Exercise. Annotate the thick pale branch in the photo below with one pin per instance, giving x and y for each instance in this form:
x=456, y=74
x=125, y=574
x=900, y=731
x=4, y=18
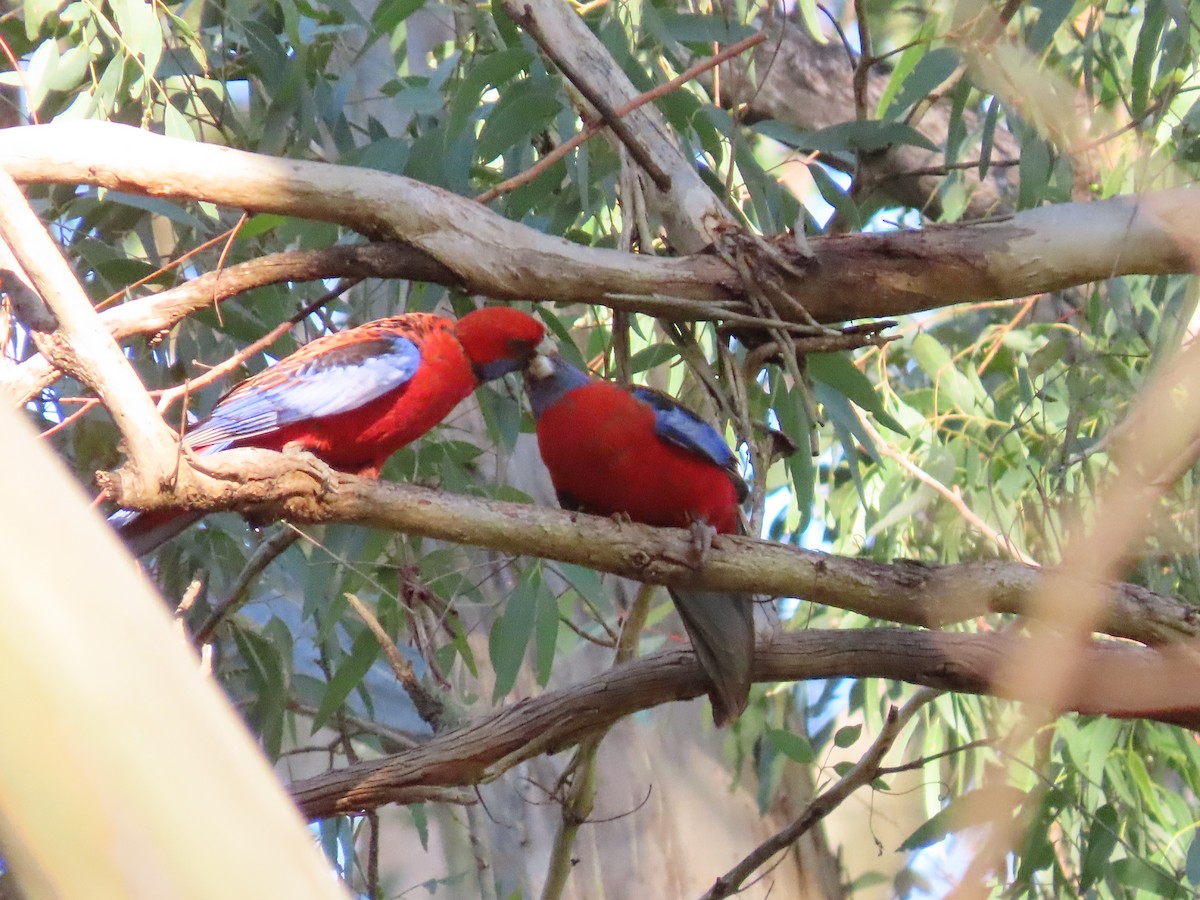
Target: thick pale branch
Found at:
x=80, y=344
x=1117, y=680
x=690, y=211
x=851, y=276
x=910, y=593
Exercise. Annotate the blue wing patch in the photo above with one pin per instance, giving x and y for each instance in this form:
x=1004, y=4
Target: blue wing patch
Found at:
x=680, y=426
x=309, y=386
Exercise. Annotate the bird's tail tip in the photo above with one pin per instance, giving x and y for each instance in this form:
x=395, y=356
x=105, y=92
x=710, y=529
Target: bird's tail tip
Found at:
x=721, y=627
x=144, y=532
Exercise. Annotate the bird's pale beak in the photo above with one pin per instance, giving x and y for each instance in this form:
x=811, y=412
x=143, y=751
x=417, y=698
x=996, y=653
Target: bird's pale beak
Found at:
x=541, y=366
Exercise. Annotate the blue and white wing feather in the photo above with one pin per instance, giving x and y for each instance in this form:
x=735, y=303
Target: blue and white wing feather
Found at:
x=309, y=385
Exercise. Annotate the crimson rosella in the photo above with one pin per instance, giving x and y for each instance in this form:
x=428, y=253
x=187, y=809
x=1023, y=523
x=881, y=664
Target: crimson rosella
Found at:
x=639, y=453
x=354, y=398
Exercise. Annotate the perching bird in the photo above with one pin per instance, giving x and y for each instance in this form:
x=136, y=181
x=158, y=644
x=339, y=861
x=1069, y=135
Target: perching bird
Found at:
x=355, y=397
x=639, y=453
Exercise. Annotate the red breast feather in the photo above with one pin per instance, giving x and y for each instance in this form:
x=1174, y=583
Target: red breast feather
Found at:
x=600, y=446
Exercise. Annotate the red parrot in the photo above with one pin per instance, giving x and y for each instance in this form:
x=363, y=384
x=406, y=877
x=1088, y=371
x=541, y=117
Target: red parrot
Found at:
x=639, y=453
x=355, y=397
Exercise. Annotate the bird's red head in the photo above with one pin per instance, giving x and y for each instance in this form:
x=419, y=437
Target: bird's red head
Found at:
x=498, y=339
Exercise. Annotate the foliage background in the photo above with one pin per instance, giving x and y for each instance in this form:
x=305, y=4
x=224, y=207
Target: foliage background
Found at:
x=977, y=433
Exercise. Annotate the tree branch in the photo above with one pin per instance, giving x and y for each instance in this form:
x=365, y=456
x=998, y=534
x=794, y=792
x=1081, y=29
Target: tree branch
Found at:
x=690, y=211
x=80, y=345
x=383, y=259
x=850, y=276
x=907, y=592
x=861, y=774
x=1117, y=680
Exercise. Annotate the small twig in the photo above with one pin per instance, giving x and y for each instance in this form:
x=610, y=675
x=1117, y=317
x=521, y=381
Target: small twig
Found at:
x=620, y=112
x=20, y=70
x=934, y=757
x=862, y=69
x=170, y=395
x=163, y=270
x=86, y=405
x=373, y=855
x=220, y=266
x=946, y=168
x=578, y=804
x=481, y=852
x=264, y=554
x=611, y=116
x=950, y=495
x=429, y=707
x=392, y=740
x=862, y=773
x=590, y=638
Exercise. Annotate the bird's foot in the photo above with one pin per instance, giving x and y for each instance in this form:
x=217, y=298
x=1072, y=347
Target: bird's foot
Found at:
x=312, y=465
x=704, y=538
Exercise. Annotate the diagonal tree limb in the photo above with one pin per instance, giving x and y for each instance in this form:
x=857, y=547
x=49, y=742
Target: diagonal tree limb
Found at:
x=691, y=212
x=1117, y=680
x=80, y=345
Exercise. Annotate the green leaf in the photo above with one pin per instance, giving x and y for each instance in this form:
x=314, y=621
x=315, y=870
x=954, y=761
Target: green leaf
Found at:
x=654, y=355
x=35, y=12
x=168, y=209
x=510, y=634
x=794, y=422
x=933, y=69
x=904, y=65
x=421, y=823
x=545, y=632
x=694, y=28
x=493, y=70
x=390, y=13
x=832, y=193
x=810, y=16
x=1193, y=859
x=793, y=746
x=1146, y=55
x=1101, y=841
x=987, y=140
x=936, y=362
x=348, y=676
x=847, y=735
x=838, y=372
x=1140, y=875
x=523, y=110
x=1034, y=170
x=846, y=137
x=1051, y=15
x=962, y=812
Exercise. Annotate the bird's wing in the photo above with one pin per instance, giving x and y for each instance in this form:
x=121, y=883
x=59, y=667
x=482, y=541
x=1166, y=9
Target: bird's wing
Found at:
x=678, y=425
x=321, y=379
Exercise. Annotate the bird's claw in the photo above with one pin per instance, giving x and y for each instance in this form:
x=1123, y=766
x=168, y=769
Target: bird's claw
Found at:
x=312, y=465
x=704, y=538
